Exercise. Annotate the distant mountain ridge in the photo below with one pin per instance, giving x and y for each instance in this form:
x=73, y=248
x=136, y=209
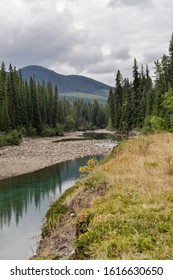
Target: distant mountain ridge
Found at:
x=71, y=86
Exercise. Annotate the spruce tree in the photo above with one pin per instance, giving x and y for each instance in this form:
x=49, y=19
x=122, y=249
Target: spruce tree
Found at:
x=136, y=94
x=118, y=100
x=111, y=107
x=171, y=62
x=4, y=114
x=35, y=110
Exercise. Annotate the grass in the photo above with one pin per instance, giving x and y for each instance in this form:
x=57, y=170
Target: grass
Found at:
x=56, y=212
x=130, y=215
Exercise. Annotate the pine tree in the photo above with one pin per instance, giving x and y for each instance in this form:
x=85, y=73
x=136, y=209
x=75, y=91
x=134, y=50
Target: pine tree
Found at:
x=14, y=104
x=4, y=115
x=136, y=94
x=118, y=100
x=55, y=111
x=111, y=107
x=126, y=118
x=171, y=62
x=35, y=110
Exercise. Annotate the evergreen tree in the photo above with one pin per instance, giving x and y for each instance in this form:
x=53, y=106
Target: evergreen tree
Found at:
x=118, y=100
x=4, y=115
x=170, y=78
x=14, y=104
x=35, y=110
x=126, y=118
x=111, y=107
x=136, y=94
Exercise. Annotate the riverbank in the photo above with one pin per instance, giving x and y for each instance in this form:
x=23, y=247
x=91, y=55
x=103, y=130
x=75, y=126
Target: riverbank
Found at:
x=123, y=210
x=36, y=153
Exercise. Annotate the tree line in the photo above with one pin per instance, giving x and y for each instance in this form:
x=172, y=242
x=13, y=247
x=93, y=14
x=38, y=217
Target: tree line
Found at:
x=143, y=103
x=36, y=109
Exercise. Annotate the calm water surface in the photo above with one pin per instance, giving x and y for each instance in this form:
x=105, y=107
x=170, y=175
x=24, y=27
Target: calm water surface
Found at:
x=24, y=201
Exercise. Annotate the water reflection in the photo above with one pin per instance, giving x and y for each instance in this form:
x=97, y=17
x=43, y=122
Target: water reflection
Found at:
x=24, y=201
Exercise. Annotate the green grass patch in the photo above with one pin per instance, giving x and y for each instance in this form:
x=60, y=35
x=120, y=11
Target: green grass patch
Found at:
x=56, y=212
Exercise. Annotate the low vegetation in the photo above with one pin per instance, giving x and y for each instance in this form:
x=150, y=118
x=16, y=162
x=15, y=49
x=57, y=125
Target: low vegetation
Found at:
x=14, y=137
x=126, y=203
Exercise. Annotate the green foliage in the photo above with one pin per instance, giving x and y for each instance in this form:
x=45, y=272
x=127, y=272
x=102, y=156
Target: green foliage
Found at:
x=147, y=125
x=158, y=124
x=143, y=104
x=31, y=131
x=14, y=137
x=120, y=228
x=59, y=129
x=56, y=212
x=38, y=109
x=48, y=131
x=69, y=123
x=3, y=141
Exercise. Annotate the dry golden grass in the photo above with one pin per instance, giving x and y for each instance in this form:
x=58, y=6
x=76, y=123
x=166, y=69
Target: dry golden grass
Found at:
x=134, y=219
x=124, y=209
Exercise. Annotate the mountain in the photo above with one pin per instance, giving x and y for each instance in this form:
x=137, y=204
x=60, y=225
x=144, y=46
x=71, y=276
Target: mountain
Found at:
x=70, y=86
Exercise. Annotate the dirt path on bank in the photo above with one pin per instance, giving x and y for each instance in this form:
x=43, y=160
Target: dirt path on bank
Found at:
x=34, y=154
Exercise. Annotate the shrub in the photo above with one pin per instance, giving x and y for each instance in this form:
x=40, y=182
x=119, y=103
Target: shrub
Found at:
x=158, y=124
x=31, y=131
x=69, y=123
x=59, y=129
x=90, y=165
x=14, y=137
x=3, y=141
x=48, y=131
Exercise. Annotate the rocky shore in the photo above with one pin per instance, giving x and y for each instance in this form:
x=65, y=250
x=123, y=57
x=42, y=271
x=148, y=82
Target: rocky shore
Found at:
x=35, y=154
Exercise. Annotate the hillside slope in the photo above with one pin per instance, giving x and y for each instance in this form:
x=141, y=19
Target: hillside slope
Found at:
x=123, y=210
x=71, y=86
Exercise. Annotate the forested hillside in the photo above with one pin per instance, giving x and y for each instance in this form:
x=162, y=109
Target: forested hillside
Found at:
x=143, y=103
x=70, y=86
x=35, y=108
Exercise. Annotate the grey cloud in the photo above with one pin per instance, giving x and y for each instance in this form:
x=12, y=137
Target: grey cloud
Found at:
x=122, y=53
x=83, y=56
x=114, y=3
x=41, y=40
x=101, y=68
x=151, y=56
x=83, y=36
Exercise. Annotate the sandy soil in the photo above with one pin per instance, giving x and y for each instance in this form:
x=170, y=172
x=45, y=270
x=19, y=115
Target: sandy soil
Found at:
x=34, y=154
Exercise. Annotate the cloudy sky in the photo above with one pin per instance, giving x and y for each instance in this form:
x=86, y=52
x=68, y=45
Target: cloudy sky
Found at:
x=94, y=38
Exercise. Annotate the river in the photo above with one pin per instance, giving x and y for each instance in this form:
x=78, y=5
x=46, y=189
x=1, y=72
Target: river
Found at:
x=24, y=201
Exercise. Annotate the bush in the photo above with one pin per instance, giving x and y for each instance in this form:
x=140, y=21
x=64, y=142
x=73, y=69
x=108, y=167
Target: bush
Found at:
x=23, y=130
x=48, y=131
x=3, y=141
x=69, y=123
x=59, y=129
x=31, y=131
x=158, y=124
x=14, y=137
